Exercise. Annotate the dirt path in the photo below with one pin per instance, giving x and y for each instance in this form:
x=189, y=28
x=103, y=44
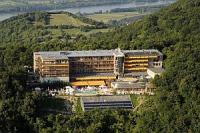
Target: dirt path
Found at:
x=141, y=102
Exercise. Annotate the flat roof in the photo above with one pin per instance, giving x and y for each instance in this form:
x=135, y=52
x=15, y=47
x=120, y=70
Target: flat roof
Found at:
x=142, y=52
x=128, y=85
x=106, y=99
x=116, y=52
x=134, y=74
x=157, y=70
x=48, y=55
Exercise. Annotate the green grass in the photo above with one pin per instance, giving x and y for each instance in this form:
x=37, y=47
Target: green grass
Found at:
x=135, y=99
x=64, y=19
x=78, y=106
x=106, y=17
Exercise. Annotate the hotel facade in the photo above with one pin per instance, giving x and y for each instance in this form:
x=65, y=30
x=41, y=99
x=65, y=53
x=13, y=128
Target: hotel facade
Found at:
x=95, y=67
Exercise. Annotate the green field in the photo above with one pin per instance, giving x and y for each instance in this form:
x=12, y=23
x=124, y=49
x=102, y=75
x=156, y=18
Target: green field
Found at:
x=64, y=19
x=106, y=17
x=134, y=99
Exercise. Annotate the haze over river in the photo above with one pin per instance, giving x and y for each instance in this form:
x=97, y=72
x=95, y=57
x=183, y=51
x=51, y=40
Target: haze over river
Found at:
x=92, y=9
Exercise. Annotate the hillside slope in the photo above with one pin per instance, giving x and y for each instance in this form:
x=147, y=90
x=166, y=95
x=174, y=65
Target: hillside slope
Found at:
x=45, y=31
x=175, y=30
x=173, y=24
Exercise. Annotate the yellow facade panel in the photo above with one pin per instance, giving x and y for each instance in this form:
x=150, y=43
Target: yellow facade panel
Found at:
x=132, y=65
x=137, y=57
x=55, y=65
x=96, y=78
x=142, y=68
x=140, y=57
x=131, y=61
x=87, y=83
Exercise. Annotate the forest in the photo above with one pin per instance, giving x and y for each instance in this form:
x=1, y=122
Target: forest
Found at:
x=175, y=107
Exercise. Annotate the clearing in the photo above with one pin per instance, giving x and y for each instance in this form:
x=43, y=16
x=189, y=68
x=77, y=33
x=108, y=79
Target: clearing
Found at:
x=64, y=19
x=106, y=17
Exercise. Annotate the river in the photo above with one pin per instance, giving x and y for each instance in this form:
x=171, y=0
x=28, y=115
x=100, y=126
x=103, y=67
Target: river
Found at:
x=92, y=9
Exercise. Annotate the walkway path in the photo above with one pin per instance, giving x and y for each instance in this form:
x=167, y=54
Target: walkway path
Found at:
x=141, y=102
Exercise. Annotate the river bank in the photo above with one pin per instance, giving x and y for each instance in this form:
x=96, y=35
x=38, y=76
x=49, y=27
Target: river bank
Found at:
x=24, y=7
x=91, y=9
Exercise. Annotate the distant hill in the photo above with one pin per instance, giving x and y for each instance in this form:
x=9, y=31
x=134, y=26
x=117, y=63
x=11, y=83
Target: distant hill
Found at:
x=49, y=21
x=39, y=29
x=35, y=5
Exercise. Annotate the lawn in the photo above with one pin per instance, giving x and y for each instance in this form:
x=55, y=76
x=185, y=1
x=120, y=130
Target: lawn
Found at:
x=78, y=106
x=106, y=17
x=135, y=99
x=64, y=19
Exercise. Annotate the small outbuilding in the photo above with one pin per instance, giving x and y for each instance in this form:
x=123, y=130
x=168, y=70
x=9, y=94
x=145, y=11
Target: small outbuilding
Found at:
x=122, y=87
x=152, y=72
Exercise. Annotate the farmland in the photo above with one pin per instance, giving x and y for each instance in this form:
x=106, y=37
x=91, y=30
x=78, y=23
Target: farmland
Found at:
x=78, y=25
x=64, y=19
x=106, y=17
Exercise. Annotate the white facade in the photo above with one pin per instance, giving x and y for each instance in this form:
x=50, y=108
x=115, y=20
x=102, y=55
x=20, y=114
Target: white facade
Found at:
x=152, y=72
x=157, y=64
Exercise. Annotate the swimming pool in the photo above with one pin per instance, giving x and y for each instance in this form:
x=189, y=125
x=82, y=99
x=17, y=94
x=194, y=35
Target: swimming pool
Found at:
x=86, y=92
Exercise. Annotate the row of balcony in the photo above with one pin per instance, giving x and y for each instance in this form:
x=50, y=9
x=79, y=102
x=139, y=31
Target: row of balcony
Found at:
x=133, y=65
x=139, y=57
x=139, y=68
x=134, y=61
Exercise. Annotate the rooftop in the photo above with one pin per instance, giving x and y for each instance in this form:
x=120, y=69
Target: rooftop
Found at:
x=135, y=74
x=142, y=52
x=106, y=99
x=128, y=85
x=156, y=70
x=51, y=55
x=117, y=52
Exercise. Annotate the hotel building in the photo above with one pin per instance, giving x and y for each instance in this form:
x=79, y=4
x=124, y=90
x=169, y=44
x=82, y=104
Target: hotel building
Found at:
x=97, y=67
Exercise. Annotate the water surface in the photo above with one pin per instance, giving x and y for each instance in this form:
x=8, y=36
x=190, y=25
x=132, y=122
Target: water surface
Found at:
x=93, y=9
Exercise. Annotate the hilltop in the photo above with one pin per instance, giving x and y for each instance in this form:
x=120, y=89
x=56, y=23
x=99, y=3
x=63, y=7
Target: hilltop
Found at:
x=174, y=108
x=46, y=31
x=51, y=24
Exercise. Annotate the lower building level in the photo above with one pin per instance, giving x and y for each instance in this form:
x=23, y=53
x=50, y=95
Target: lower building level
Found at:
x=106, y=102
